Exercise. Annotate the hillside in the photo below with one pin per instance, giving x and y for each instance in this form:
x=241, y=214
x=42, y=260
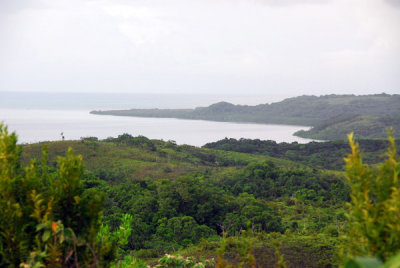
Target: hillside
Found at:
x=181, y=195
x=303, y=110
x=337, y=128
x=201, y=201
x=326, y=155
x=126, y=158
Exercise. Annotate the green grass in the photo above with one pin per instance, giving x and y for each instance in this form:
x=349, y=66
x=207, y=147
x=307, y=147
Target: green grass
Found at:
x=133, y=162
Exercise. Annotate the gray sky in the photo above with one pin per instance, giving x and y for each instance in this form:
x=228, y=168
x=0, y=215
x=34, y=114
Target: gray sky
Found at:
x=201, y=46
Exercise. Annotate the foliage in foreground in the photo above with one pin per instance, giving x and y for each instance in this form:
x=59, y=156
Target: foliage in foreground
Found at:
x=374, y=210
x=369, y=262
x=49, y=219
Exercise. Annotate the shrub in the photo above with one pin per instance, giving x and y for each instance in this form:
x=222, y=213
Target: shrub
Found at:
x=48, y=219
x=374, y=210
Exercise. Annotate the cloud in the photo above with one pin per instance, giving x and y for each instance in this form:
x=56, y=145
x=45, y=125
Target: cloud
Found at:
x=292, y=2
x=199, y=46
x=14, y=6
x=395, y=3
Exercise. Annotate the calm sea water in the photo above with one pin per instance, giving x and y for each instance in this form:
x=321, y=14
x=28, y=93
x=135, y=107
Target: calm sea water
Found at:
x=34, y=123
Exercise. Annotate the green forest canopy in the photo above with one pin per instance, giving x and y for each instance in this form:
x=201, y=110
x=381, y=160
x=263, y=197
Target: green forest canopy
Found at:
x=187, y=194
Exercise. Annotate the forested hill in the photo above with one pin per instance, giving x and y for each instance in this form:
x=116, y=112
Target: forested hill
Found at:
x=303, y=110
x=182, y=196
x=370, y=127
x=201, y=203
x=327, y=155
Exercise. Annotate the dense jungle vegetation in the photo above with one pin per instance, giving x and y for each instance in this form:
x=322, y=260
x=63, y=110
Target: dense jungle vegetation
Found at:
x=127, y=201
x=332, y=116
x=326, y=155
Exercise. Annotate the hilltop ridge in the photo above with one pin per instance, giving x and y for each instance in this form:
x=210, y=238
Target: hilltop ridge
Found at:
x=303, y=110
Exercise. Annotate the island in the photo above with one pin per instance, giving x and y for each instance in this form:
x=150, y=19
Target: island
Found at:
x=331, y=116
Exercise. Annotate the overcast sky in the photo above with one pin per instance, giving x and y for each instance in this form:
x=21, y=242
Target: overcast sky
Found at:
x=201, y=46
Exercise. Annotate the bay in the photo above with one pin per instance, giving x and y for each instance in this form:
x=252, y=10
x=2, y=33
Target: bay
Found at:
x=36, y=125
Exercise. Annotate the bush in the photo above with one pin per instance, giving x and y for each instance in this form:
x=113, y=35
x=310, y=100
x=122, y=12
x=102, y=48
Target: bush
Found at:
x=48, y=219
x=374, y=210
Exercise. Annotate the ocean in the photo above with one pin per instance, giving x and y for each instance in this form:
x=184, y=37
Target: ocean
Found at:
x=37, y=117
